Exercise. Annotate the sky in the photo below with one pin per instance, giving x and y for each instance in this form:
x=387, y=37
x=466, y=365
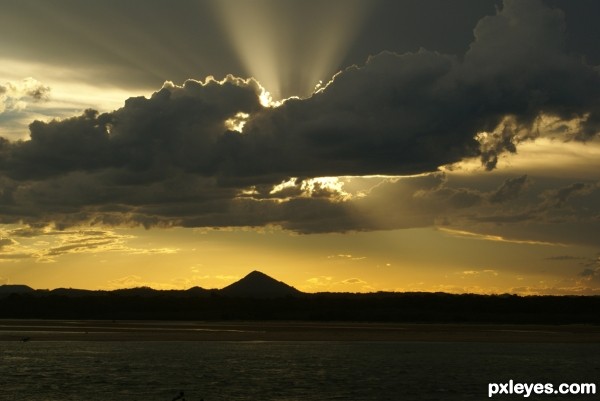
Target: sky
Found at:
x=339, y=145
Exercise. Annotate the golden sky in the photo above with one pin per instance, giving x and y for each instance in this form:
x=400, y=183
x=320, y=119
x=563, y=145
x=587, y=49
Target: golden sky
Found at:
x=336, y=147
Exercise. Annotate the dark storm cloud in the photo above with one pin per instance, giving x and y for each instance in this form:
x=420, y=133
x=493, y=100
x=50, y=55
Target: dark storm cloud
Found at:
x=558, y=198
x=519, y=59
x=409, y=113
x=395, y=115
x=511, y=188
x=169, y=160
x=394, y=203
x=178, y=127
x=574, y=202
x=567, y=213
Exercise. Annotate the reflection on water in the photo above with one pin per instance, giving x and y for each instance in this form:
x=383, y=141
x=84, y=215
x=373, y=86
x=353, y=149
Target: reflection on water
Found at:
x=284, y=371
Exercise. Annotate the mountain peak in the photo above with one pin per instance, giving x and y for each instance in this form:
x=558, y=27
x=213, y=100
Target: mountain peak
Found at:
x=257, y=274
x=257, y=284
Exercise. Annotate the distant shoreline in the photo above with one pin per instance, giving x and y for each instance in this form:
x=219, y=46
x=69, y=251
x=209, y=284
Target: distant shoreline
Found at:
x=106, y=330
x=248, y=303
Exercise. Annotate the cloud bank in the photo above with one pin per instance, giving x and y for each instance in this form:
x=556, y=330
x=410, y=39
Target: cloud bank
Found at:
x=171, y=159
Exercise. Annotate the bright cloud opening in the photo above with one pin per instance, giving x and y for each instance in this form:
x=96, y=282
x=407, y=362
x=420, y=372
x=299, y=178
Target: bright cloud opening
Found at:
x=237, y=122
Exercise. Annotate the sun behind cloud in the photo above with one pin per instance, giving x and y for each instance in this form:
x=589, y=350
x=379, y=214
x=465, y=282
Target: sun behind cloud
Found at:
x=273, y=43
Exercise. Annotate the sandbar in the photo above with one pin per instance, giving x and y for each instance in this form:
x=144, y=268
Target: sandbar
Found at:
x=108, y=330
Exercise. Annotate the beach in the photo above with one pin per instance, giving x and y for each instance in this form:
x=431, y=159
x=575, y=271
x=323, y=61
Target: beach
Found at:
x=107, y=330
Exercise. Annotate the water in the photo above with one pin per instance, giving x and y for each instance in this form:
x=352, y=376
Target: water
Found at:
x=285, y=371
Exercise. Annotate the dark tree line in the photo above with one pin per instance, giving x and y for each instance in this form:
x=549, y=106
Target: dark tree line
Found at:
x=381, y=307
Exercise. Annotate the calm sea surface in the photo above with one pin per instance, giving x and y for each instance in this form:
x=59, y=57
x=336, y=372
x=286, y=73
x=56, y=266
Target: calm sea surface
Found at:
x=285, y=371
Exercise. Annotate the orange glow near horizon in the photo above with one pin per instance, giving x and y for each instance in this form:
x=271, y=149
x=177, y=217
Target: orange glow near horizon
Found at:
x=398, y=260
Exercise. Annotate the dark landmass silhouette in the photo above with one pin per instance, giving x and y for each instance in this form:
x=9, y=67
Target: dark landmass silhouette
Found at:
x=259, y=285
x=260, y=297
x=8, y=289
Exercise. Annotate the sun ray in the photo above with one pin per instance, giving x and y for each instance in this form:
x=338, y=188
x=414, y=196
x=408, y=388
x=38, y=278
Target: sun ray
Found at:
x=274, y=43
